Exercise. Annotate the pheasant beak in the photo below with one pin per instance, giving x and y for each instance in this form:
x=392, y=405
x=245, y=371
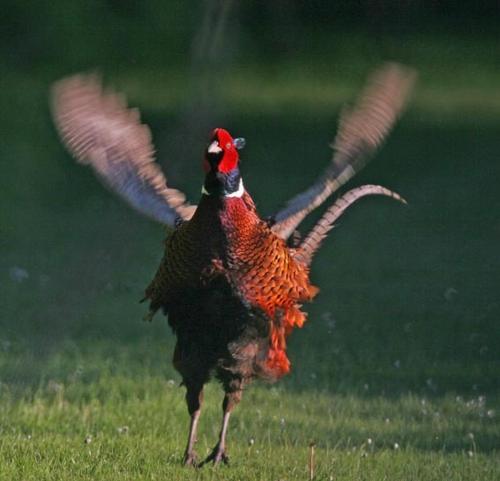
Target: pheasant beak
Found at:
x=214, y=148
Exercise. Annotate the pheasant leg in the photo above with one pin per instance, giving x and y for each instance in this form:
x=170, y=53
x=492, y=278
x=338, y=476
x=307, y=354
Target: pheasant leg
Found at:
x=218, y=454
x=194, y=399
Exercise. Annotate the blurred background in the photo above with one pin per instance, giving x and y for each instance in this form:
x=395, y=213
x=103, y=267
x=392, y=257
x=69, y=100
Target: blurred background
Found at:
x=409, y=296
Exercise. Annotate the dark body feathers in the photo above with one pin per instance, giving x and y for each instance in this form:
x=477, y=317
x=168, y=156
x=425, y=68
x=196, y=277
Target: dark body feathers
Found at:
x=227, y=283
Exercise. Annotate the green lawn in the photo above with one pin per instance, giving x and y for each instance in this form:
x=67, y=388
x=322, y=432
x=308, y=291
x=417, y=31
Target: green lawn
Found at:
x=106, y=412
x=401, y=347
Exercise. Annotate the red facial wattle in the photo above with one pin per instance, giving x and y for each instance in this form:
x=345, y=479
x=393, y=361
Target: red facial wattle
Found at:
x=230, y=155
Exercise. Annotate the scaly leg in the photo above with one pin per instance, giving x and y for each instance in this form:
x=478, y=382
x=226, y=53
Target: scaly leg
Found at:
x=194, y=399
x=231, y=398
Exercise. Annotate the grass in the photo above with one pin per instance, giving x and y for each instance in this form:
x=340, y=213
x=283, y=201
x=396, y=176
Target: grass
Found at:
x=107, y=412
x=401, y=345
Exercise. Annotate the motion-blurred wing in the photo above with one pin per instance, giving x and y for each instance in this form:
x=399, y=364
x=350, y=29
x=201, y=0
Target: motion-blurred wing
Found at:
x=362, y=129
x=99, y=130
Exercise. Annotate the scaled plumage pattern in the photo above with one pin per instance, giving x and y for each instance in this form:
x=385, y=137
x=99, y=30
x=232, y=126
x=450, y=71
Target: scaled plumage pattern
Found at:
x=229, y=281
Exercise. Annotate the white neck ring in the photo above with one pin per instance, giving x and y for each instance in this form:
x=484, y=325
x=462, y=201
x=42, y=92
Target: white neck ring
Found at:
x=237, y=193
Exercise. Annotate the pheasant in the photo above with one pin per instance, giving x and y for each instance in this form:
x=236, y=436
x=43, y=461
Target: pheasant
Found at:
x=232, y=283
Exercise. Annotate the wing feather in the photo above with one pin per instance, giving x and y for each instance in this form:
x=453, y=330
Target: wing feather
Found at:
x=99, y=130
x=362, y=129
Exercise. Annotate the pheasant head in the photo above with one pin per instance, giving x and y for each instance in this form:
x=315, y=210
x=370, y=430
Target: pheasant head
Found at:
x=220, y=164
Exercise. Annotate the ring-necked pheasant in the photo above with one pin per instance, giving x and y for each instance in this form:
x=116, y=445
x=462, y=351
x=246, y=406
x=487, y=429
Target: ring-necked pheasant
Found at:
x=230, y=283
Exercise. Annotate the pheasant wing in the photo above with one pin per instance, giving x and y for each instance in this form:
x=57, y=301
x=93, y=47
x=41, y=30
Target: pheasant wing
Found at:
x=362, y=129
x=99, y=130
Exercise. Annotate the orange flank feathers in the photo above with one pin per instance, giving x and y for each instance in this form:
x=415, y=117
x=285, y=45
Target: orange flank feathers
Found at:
x=266, y=275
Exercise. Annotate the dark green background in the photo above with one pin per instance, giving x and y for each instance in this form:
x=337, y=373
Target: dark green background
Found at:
x=409, y=296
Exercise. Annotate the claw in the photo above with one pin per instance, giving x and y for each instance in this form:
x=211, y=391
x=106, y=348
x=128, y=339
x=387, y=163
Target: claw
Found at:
x=217, y=456
x=221, y=456
x=190, y=459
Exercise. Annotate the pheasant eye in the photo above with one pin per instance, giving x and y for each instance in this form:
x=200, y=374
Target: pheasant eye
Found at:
x=228, y=145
